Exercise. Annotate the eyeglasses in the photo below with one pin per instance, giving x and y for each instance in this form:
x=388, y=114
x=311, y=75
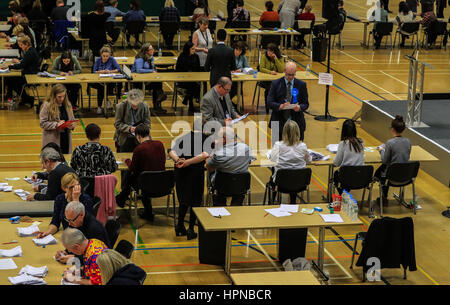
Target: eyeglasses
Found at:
x=71, y=220
x=226, y=90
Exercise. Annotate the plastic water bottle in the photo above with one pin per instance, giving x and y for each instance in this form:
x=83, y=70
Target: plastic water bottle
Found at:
x=255, y=74
x=159, y=52
x=308, y=69
x=355, y=211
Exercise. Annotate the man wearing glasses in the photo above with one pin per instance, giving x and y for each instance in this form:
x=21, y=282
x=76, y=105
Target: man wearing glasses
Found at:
x=285, y=105
x=216, y=103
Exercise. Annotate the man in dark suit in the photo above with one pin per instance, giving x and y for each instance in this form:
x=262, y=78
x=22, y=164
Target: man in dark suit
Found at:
x=216, y=103
x=280, y=97
x=220, y=60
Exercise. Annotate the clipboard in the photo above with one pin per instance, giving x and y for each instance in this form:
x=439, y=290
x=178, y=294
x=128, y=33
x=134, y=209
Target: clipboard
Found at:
x=66, y=124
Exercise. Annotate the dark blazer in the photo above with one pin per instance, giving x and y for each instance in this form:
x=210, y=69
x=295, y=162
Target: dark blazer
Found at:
x=212, y=110
x=54, y=182
x=128, y=275
x=220, y=61
x=29, y=63
x=276, y=97
x=59, y=209
x=92, y=228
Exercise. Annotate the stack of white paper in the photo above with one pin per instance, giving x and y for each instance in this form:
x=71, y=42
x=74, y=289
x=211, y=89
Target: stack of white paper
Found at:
x=291, y=208
x=17, y=251
x=218, y=212
x=4, y=70
x=239, y=119
x=47, y=240
x=332, y=148
x=332, y=218
x=106, y=74
x=22, y=194
x=25, y=279
x=3, y=185
x=316, y=156
x=28, y=231
x=64, y=282
x=7, y=264
x=7, y=188
x=277, y=212
x=30, y=181
x=34, y=271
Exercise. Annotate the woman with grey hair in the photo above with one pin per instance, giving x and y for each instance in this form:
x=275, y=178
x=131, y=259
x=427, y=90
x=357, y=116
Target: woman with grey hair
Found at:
x=130, y=113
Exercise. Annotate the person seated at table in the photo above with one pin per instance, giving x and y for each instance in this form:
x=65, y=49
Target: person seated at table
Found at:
x=188, y=61
x=396, y=150
x=289, y=153
x=201, y=11
x=96, y=21
x=105, y=64
x=75, y=242
x=25, y=23
x=50, y=160
x=240, y=13
x=114, y=12
x=79, y=218
x=169, y=13
x=66, y=65
x=134, y=14
x=350, y=152
x=404, y=15
x=305, y=15
x=29, y=64
x=70, y=184
x=269, y=14
x=189, y=175
x=13, y=22
x=54, y=113
x=149, y=155
x=378, y=15
x=240, y=48
x=428, y=19
x=12, y=41
x=231, y=157
x=129, y=114
x=144, y=62
x=93, y=159
x=115, y=269
x=271, y=63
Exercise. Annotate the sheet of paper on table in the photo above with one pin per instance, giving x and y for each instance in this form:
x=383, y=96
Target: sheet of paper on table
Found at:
x=14, y=252
x=27, y=231
x=7, y=264
x=218, y=212
x=277, y=212
x=331, y=217
x=47, y=240
x=25, y=279
x=332, y=148
x=34, y=271
x=292, y=208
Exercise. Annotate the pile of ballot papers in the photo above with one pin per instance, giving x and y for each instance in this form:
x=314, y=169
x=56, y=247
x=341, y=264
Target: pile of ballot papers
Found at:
x=5, y=187
x=22, y=194
x=316, y=156
x=30, y=181
x=17, y=251
x=47, y=240
x=25, y=279
x=332, y=148
x=28, y=231
x=34, y=271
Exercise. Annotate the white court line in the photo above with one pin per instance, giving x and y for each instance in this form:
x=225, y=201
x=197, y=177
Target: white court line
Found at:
x=164, y=125
x=351, y=56
x=262, y=250
x=212, y=270
x=400, y=81
x=397, y=97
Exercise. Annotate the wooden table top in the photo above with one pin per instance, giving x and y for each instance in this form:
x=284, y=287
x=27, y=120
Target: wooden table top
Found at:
x=246, y=31
x=32, y=255
x=253, y=217
x=304, y=277
x=162, y=60
x=155, y=19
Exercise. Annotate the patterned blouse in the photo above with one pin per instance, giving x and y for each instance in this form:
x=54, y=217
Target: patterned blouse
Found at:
x=93, y=159
x=91, y=269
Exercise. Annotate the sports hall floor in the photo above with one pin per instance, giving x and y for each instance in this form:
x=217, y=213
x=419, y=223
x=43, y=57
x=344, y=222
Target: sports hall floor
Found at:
x=359, y=74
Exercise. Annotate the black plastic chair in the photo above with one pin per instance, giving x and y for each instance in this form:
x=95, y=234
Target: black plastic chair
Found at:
x=229, y=185
x=266, y=39
x=239, y=25
x=304, y=27
x=288, y=181
x=382, y=29
x=125, y=248
x=97, y=201
x=154, y=184
x=436, y=28
x=112, y=228
x=401, y=175
x=88, y=185
x=408, y=29
x=169, y=27
x=135, y=28
x=356, y=178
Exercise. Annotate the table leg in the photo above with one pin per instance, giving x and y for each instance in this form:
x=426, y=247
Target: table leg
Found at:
x=330, y=181
x=3, y=92
x=320, y=255
x=105, y=107
x=201, y=90
x=228, y=253
x=364, y=44
x=240, y=98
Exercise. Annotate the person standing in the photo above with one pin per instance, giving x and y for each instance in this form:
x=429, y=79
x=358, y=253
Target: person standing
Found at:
x=55, y=112
x=280, y=97
x=288, y=10
x=202, y=40
x=97, y=28
x=220, y=60
x=60, y=11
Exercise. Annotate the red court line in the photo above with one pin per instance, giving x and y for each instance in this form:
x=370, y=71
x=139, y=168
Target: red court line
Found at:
x=351, y=100
x=318, y=185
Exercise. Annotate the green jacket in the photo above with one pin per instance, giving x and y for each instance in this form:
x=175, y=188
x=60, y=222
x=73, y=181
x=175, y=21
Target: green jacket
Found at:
x=57, y=63
x=266, y=66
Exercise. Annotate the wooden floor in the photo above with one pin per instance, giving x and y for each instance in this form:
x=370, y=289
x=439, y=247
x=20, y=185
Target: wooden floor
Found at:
x=359, y=74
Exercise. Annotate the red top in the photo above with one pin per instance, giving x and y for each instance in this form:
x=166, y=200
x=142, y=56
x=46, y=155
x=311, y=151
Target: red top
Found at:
x=307, y=16
x=147, y=156
x=269, y=16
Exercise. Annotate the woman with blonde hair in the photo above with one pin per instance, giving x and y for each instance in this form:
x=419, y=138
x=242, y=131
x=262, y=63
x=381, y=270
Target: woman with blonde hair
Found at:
x=115, y=269
x=54, y=113
x=290, y=153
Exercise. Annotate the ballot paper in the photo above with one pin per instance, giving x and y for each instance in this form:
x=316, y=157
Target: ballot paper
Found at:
x=4, y=70
x=292, y=208
x=7, y=264
x=120, y=58
x=12, y=179
x=14, y=252
x=25, y=279
x=237, y=73
x=28, y=231
x=60, y=78
x=218, y=212
x=106, y=75
x=64, y=282
x=331, y=217
x=289, y=107
x=316, y=156
x=332, y=148
x=3, y=186
x=278, y=212
x=248, y=70
x=8, y=188
x=34, y=271
x=47, y=240
x=30, y=181
x=22, y=194
x=239, y=119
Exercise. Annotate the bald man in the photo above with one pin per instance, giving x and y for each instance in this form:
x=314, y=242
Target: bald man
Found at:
x=280, y=97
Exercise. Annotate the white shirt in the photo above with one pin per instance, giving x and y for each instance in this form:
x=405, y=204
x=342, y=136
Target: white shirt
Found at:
x=289, y=157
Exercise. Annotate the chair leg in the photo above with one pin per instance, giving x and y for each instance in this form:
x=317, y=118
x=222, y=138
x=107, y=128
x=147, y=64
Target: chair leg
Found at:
x=254, y=95
x=363, y=195
x=265, y=193
x=414, y=198
x=307, y=195
x=168, y=203
x=354, y=250
x=381, y=200
x=174, y=210
x=249, y=195
x=404, y=273
x=395, y=38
